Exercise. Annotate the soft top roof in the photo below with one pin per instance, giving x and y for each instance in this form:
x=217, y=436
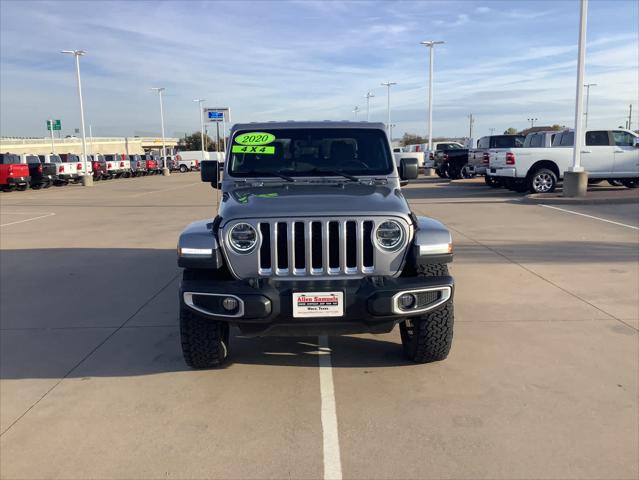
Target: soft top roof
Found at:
x=257, y=126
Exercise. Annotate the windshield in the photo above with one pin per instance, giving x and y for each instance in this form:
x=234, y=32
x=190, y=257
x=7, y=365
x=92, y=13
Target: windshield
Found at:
x=310, y=152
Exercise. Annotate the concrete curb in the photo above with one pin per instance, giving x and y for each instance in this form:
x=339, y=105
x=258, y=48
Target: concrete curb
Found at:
x=557, y=199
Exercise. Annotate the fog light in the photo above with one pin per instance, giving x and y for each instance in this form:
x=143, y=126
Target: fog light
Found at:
x=230, y=304
x=407, y=301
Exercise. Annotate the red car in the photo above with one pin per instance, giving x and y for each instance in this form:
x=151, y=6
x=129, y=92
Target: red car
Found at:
x=13, y=174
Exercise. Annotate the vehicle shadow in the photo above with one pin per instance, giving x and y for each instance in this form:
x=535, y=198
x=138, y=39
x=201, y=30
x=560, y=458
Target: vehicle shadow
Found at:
x=88, y=312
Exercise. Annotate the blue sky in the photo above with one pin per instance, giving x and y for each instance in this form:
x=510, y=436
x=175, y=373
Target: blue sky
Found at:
x=503, y=61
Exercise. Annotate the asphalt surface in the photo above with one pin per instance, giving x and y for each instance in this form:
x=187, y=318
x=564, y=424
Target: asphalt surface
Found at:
x=542, y=380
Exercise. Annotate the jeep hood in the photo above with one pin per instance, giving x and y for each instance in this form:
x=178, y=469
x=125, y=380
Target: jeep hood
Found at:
x=338, y=199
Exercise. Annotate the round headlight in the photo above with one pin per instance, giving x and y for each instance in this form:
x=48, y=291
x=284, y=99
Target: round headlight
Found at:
x=389, y=235
x=242, y=237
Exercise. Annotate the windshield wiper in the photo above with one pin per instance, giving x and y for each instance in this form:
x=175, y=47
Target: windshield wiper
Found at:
x=269, y=174
x=337, y=173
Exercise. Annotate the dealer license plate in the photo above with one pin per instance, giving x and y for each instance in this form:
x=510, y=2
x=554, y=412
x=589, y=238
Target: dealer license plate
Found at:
x=318, y=304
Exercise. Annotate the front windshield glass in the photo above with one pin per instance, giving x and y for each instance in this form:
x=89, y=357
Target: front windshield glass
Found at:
x=310, y=152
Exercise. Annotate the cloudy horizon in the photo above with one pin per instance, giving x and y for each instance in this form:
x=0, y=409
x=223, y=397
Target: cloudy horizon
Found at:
x=504, y=62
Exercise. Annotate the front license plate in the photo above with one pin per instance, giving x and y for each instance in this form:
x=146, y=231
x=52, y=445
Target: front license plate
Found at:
x=318, y=304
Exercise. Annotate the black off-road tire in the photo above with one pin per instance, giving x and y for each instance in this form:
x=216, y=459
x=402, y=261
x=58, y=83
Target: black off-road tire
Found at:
x=428, y=338
x=205, y=343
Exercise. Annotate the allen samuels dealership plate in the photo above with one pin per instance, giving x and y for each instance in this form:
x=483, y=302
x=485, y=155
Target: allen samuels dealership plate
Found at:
x=318, y=304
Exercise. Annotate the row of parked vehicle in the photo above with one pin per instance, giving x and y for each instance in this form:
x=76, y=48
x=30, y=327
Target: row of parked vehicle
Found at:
x=22, y=171
x=536, y=162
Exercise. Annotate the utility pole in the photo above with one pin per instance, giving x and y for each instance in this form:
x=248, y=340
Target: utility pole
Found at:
x=587, y=85
x=165, y=169
x=199, y=102
x=630, y=117
x=430, y=44
x=52, y=143
x=368, y=97
x=576, y=179
x=471, y=121
x=388, y=86
x=217, y=136
x=87, y=180
x=532, y=121
x=356, y=111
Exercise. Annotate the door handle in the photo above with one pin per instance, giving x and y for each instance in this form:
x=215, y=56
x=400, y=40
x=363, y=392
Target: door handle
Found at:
x=586, y=151
x=619, y=150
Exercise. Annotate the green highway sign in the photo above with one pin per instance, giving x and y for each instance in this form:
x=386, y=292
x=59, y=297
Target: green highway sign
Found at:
x=57, y=125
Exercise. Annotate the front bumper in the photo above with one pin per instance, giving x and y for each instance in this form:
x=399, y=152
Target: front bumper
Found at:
x=266, y=306
x=502, y=172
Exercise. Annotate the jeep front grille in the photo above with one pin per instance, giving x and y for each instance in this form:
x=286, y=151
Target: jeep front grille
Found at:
x=316, y=247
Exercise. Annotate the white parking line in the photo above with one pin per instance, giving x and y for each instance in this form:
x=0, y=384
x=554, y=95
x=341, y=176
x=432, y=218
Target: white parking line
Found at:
x=27, y=220
x=332, y=461
x=590, y=216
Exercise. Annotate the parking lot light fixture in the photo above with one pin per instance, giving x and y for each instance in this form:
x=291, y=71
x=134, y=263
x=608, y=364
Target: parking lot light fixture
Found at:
x=87, y=180
x=532, y=121
x=199, y=102
x=388, y=86
x=431, y=45
x=368, y=97
x=165, y=168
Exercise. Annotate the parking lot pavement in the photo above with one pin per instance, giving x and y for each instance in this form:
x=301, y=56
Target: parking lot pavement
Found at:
x=541, y=381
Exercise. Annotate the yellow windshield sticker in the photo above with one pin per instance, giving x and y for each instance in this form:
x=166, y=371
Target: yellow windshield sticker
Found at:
x=255, y=149
x=255, y=138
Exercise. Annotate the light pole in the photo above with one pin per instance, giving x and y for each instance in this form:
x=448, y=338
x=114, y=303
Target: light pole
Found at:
x=388, y=85
x=356, y=111
x=87, y=180
x=576, y=179
x=532, y=121
x=587, y=85
x=165, y=168
x=368, y=97
x=199, y=101
x=430, y=44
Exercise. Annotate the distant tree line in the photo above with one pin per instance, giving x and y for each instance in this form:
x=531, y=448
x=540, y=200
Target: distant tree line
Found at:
x=194, y=142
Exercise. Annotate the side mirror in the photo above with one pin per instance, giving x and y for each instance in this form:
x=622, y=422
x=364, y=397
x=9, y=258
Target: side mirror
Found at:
x=408, y=169
x=210, y=172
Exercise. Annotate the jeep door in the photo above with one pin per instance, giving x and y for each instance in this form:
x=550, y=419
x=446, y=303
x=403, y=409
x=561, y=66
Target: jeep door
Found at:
x=626, y=154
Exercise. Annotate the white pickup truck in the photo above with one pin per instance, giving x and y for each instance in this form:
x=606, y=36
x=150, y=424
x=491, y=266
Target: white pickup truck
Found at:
x=606, y=154
x=67, y=165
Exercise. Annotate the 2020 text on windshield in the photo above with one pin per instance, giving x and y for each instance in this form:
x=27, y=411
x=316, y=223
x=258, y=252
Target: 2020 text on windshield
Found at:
x=310, y=152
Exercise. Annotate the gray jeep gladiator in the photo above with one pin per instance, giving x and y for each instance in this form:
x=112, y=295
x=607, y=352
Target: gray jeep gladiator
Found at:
x=313, y=236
